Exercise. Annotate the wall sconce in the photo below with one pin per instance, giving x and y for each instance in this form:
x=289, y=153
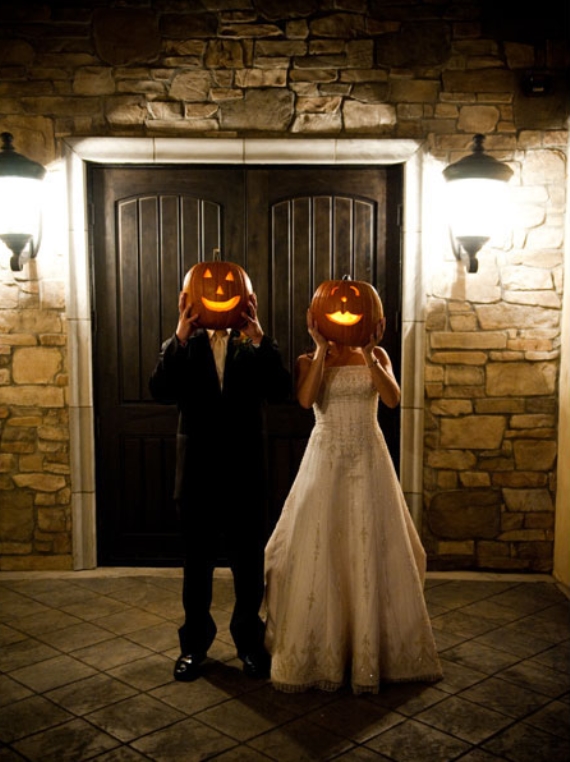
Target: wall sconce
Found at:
x=476, y=201
x=20, y=202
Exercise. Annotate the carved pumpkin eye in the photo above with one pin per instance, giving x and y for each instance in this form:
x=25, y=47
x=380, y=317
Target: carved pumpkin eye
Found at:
x=208, y=273
x=230, y=276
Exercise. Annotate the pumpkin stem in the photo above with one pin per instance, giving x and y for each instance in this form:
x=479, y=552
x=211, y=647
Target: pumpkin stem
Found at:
x=216, y=255
x=346, y=277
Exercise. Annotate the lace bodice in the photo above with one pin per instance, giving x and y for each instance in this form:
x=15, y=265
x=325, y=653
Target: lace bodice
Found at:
x=346, y=408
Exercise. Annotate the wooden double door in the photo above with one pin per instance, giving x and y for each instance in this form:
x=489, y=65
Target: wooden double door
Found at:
x=291, y=228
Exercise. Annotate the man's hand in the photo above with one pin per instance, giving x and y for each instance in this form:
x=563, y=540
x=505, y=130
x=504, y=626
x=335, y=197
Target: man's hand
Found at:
x=187, y=320
x=252, y=327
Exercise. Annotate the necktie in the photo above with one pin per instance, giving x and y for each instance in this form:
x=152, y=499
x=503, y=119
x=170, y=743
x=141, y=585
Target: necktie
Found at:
x=219, y=350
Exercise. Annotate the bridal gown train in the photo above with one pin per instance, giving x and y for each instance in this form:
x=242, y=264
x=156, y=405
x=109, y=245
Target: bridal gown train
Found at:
x=345, y=566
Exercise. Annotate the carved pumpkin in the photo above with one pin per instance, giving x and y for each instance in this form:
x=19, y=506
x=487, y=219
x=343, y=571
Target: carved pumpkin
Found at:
x=347, y=311
x=219, y=292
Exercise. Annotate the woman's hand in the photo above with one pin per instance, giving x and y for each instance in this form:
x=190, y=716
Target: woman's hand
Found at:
x=375, y=339
x=314, y=333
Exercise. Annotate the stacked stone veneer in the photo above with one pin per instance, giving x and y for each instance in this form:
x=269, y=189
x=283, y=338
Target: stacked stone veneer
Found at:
x=434, y=72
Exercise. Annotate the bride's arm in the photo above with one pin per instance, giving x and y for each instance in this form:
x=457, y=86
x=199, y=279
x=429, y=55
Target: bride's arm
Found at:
x=310, y=368
x=380, y=366
x=309, y=377
x=383, y=377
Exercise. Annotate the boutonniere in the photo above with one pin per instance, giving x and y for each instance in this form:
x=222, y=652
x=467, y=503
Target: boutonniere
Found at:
x=241, y=342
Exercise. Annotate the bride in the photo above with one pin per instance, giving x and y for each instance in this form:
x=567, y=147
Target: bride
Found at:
x=345, y=566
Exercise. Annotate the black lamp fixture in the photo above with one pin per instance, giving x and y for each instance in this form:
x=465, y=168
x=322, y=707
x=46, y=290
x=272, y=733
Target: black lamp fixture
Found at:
x=476, y=202
x=20, y=202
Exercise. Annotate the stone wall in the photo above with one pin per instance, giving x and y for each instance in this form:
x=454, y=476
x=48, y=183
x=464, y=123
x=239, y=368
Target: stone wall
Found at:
x=436, y=72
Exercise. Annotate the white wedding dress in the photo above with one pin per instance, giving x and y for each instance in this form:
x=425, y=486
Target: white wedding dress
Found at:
x=344, y=565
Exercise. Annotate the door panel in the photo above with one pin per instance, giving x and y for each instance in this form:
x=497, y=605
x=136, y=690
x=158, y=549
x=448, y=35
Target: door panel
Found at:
x=290, y=228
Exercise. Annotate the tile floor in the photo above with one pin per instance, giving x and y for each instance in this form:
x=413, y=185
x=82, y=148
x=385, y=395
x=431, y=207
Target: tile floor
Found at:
x=86, y=674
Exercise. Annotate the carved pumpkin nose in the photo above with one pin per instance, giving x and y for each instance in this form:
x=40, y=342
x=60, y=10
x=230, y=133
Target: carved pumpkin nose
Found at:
x=344, y=300
x=220, y=291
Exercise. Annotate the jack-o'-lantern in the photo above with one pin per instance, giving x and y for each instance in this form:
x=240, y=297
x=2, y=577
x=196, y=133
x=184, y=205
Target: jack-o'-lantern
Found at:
x=347, y=311
x=219, y=293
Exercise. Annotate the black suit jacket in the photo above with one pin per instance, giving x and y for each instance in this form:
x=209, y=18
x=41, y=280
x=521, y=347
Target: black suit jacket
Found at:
x=220, y=446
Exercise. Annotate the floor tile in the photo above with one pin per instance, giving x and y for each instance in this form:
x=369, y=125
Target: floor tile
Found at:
x=529, y=598
x=515, y=640
x=361, y=754
x=463, y=719
x=76, y=636
x=556, y=658
x=52, y=673
x=457, y=677
x=24, y=653
x=535, y=676
x=407, y=698
x=121, y=754
x=242, y=753
x=553, y=718
x=413, y=741
x=300, y=741
x=90, y=694
x=70, y=742
x=47, y=621
x=134, y=717
x=457, y=593
x=159, y=637
x=11, y=691
x=191, y=698
x=358, y=718
x=19, y=606
x=462, y=625
x=523, y=743
x=29, y=716
x=187, y=741
x=95, y=608
x=55, y=593
x=506, y=698
x=111, y=653
x=146, y=673
x=480, y=657
x=245, y=717
x=124, y=622
x=9, y=635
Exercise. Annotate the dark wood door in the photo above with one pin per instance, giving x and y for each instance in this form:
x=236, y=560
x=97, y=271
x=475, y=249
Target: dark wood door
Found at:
x=316, y=224
x=290, y=228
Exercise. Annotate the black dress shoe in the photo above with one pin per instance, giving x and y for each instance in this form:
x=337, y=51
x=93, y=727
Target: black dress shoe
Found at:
x=187, y=667
x=256, y=665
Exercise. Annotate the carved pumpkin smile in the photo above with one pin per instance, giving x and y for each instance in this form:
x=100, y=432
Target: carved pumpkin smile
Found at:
x=343, y=318
x=229, y=304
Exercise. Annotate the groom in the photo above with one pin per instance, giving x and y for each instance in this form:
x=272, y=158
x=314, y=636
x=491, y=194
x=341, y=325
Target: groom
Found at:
x=220, y=382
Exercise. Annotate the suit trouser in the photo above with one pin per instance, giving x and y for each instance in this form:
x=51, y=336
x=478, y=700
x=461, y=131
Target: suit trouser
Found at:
x=244, y=544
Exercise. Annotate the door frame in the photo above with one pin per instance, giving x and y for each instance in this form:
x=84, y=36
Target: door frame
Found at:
x=272, y=151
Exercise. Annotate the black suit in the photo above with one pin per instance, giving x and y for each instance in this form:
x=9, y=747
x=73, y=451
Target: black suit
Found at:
x=220, y=474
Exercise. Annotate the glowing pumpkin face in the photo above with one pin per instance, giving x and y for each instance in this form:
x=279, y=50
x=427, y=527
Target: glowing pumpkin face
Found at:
x=219, y=292
x=347, y=311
